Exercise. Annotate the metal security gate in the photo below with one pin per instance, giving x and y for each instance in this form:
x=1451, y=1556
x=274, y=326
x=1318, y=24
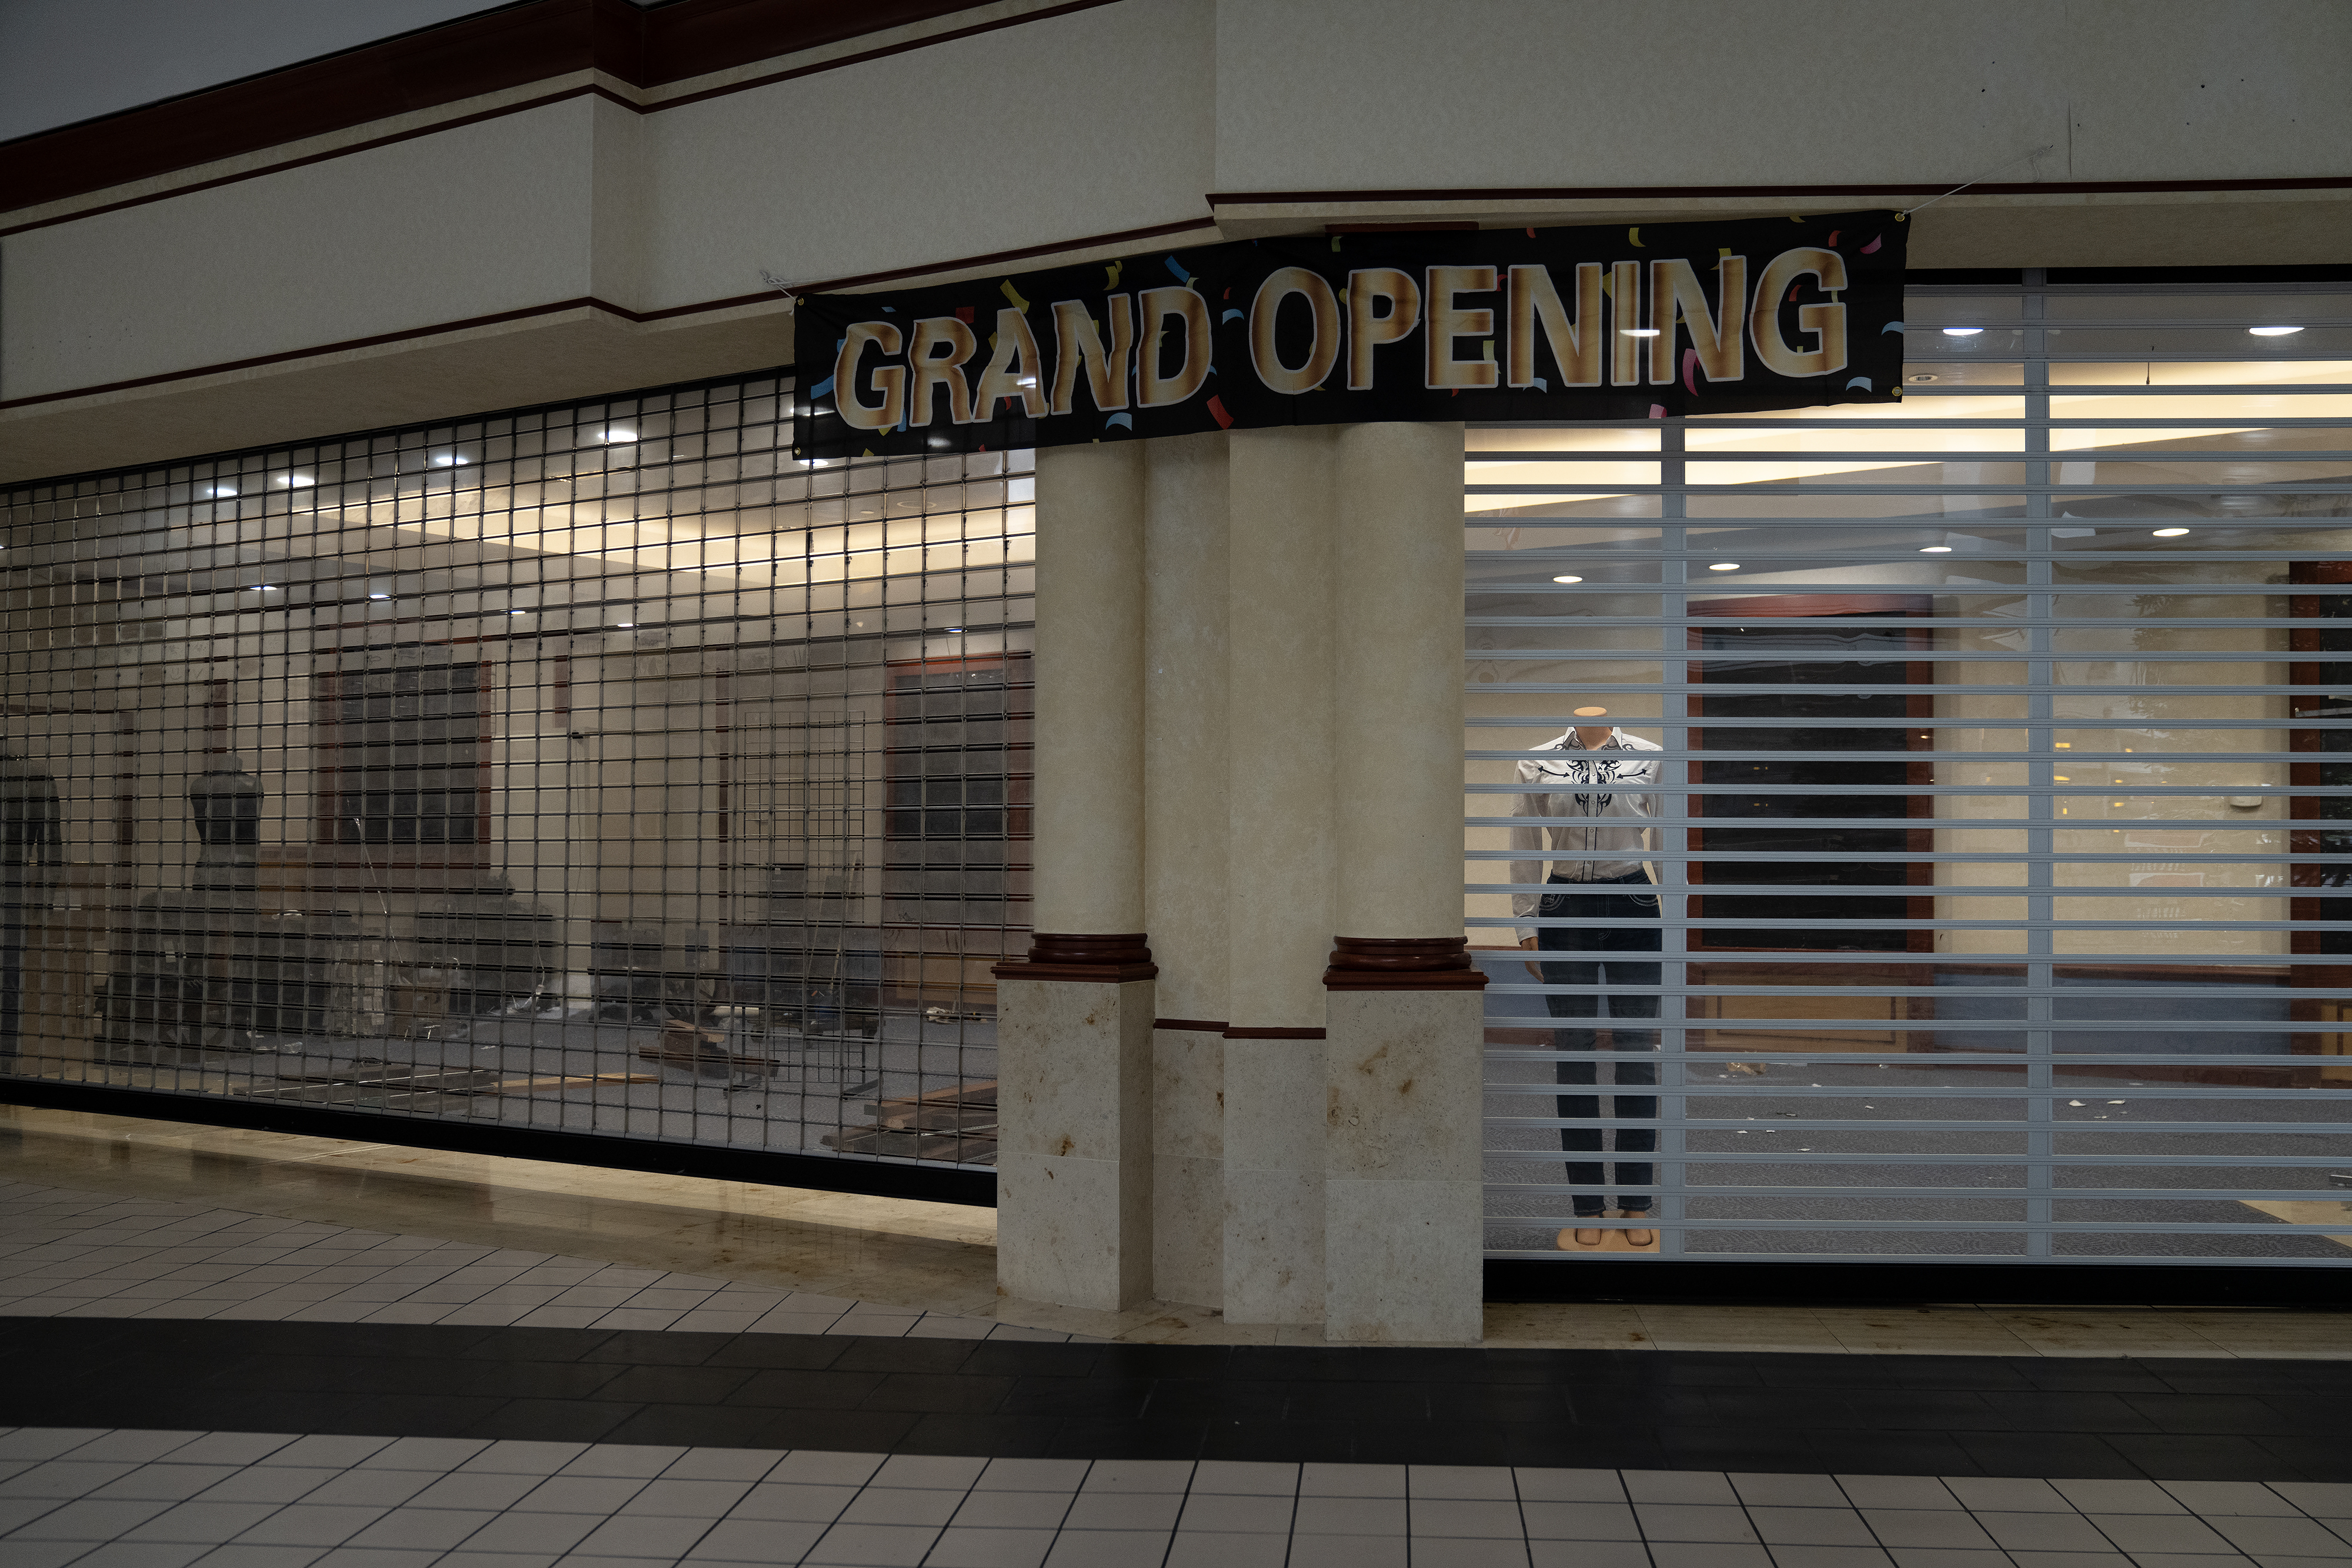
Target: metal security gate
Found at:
x=532, y=775
x=1979, y=904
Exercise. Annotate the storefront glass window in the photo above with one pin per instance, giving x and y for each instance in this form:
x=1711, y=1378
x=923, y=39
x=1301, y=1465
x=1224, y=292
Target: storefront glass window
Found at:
x=596, y=769
x=1992, y=735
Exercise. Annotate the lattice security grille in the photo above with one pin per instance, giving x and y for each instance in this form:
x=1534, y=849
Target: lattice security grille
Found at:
x=535, y=769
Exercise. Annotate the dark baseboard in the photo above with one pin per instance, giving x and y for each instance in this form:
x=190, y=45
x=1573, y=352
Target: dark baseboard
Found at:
x=823, y=1173
x=1520, y=1280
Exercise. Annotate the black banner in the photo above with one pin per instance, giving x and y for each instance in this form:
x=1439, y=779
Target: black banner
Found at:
x=1492, y=324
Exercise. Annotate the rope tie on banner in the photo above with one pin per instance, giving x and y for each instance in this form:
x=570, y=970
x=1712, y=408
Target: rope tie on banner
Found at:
x=2020, y=158
x=779, y=285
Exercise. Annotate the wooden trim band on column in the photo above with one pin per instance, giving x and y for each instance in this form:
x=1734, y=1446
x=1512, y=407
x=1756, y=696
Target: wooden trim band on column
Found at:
x=1403, y=964
x=1192, y=1026
x=1102, y=959
x=1274, y=1033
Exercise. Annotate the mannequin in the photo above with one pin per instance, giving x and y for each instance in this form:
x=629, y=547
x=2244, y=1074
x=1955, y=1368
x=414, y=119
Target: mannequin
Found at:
x=1596, y=799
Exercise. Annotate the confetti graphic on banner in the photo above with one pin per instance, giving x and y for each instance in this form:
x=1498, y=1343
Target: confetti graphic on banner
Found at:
x=1667, y=320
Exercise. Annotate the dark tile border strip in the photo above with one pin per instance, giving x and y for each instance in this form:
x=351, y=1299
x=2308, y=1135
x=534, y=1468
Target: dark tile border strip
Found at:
x=2156, y=1418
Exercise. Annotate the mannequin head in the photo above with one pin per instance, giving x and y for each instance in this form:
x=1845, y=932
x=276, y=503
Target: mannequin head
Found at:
x=1593, y=728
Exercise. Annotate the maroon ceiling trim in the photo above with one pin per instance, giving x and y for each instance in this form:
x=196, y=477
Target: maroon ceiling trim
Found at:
x=492, y=53
x=496, y=52
x=1686, y=192
x=434, y=129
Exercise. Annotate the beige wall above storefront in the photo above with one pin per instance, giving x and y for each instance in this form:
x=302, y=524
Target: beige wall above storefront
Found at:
x=583, y=233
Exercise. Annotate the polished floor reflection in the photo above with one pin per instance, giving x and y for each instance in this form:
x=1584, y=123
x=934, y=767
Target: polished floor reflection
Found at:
x=210, y=1196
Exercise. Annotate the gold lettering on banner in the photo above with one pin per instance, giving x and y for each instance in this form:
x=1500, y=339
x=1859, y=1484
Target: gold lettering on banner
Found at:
x=1266, y=309
x=1575, y=339
x=890, y=381
x=930, y=369
x=1079, y=345
x=1448, y=320
x=1159, y=304
x=1826, y=323
x=1624, y=314
x=1675, y=291
x=1012, y=370
x=1366, y=330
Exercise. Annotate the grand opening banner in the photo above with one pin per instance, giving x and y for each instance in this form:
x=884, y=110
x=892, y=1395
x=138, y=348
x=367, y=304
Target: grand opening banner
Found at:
x=1489, y=324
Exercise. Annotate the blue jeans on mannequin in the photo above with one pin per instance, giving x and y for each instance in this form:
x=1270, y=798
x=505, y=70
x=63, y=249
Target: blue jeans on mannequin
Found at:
x=1629, y=905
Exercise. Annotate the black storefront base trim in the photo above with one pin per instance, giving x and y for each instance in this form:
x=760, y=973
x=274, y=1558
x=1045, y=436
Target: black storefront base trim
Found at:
x=822, y=1172
x=2097, y=1417
x=1856, y=1284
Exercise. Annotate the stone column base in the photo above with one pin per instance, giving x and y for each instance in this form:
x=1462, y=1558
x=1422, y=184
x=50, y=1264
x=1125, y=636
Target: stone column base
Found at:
x=1403, y=1250
x=1074, y=1160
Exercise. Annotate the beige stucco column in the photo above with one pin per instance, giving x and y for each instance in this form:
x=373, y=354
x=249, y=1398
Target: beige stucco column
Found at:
x=1185, y=874
x=1279, y=855
x=1400, y=1154
x=1074, y=1020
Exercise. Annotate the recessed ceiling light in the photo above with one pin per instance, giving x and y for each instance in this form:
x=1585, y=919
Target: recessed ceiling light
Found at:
x=1935, y=549
x=1725, y=566
x=1639, y=331
x=955, y=628
x=624, y=625
x=1569, y=578
x=1921, y=377
x=379, y=596
x=2273, y=331
x=616, y=435
x=518, y=612
x=220, y=489
x=449, y=459
x=1962, y=332
x=2168, y=533
x=264, y=588
x=296, y=481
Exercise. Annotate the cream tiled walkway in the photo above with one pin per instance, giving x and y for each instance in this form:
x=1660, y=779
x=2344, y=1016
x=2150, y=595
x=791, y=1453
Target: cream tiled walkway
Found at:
x=177, y=1229
x=98, y=1499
